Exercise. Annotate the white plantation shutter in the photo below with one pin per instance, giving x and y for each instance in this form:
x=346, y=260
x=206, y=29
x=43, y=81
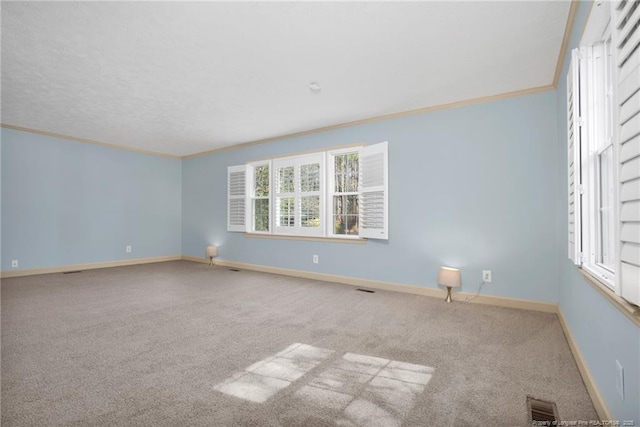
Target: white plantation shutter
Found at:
x=374, y=192
x=236, y=198
x=574, y=133
x=626, y=33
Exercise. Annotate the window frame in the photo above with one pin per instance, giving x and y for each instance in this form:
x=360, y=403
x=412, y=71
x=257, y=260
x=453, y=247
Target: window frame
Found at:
x=598, y=116
x=331, y=193
x=621, y=124
x=373, y=201
x=297, y=162
x=251, y=167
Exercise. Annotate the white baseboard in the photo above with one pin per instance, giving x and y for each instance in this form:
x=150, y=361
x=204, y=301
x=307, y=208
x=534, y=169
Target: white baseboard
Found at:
x=601, y=407
x=198, y=259
x=89, y=266
x=387, y=286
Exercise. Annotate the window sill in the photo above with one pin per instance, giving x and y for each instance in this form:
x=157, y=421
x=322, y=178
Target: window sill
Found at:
x=603, y=276
x=631, y=311
x=356, y=240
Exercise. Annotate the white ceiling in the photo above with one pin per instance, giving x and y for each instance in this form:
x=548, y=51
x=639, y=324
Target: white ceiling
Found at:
x=181, y=78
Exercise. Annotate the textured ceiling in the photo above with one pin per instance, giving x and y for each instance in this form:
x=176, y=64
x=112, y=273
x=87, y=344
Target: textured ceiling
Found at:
x=181, y=78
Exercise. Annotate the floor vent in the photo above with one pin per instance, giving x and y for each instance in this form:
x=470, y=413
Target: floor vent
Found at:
x=369, y=291
x=541, y=410
x=233, y=269
x=72, y=272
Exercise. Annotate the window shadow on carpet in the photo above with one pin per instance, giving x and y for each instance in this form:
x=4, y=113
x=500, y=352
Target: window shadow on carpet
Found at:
x=360, y=389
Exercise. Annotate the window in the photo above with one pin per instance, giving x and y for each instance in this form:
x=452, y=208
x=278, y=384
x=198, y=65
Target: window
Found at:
x=344, y=192
x=260, y=200
x=603, y=108
x=592, y=113
x=598, y=162
x=298, y=199
x=605, y=165
x=319, y=194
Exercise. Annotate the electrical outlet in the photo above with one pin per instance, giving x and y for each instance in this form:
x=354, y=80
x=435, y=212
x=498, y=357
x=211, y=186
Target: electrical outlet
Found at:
x=128, y=249
x=315, y=259
x=14, y=263
x=486, y=276
x=620, y=380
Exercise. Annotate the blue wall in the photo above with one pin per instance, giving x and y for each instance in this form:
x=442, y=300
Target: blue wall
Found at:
x=601, y=331
x=66, y=202
x=471, y=187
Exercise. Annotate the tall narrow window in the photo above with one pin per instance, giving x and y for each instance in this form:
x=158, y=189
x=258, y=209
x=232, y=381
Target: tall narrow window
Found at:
x=261, y=180
x=601, y=87
x=310, y=195
x=285, y=197
x=606, y=170
x=600, y=170
x=345, y=187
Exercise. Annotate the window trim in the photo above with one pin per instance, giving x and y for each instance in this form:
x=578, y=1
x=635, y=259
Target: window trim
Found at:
x=297, y=162
x=251, y=228
x=595, y=139
x=618, y=100
x=325, y=231
x=330, y=193
x=605, y=135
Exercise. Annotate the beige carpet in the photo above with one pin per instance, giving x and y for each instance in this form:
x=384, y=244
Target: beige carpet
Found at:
x=184, y=344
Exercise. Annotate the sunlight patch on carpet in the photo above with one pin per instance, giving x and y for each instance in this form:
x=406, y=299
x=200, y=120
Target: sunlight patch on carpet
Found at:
x=265, y=378
x=381, y=392
x=360, y=389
